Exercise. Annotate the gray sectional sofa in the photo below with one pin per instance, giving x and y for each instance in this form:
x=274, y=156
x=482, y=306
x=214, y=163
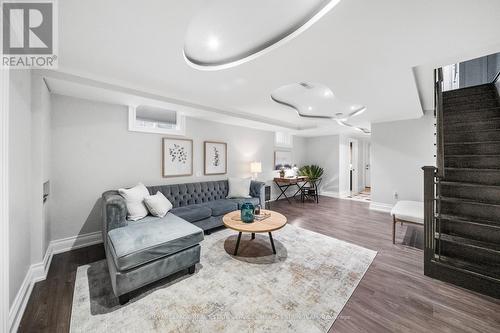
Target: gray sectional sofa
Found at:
x=141, y=252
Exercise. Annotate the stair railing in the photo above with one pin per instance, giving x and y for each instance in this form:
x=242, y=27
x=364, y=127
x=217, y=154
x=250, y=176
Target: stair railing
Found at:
x=430, y=173
x=432, y=178
x=438, y=114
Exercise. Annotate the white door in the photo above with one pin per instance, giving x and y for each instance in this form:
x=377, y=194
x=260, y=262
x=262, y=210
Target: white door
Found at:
x=368, y=166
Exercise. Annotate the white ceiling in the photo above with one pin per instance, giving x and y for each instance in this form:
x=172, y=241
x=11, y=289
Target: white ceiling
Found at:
x=365, y=51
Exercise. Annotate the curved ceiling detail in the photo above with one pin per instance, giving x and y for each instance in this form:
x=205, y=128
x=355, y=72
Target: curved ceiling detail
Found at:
x=226, y=33
x=315, y=100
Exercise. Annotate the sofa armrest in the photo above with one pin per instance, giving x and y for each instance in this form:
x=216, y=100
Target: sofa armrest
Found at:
x=114, y=213
x=257, y=190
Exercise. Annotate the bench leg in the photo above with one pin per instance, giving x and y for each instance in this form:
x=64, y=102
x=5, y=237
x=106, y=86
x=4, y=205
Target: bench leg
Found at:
x=192, y=269
x=394, y=229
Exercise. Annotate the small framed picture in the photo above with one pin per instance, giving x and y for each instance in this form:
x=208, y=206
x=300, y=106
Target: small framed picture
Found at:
x=282, y=160
x=215, y=158
x=177, y=157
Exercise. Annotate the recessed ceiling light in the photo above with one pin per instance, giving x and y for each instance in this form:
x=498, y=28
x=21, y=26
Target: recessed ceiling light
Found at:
x=213, y=43
x=226, y=33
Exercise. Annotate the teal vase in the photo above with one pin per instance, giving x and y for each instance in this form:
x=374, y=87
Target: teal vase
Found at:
x=247, y=212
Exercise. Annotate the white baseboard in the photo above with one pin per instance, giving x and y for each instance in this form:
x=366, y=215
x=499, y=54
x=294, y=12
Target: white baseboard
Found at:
x=38, y=272
x=381, y=207
x=75, y=242
x=329, y=194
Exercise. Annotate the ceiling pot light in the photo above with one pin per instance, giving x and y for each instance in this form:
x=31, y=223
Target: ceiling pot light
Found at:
x=226, y=33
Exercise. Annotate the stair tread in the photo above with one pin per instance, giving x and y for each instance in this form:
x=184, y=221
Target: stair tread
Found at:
x=484, y=86
x=473, y=121
x=449, y=104
x=472, y=155
x=491, y=247
x=446, y=198
x=471, y=220
x=447, y=182
x=473, y=169
x=472, y=142
x=489, y=108
x=486, y=270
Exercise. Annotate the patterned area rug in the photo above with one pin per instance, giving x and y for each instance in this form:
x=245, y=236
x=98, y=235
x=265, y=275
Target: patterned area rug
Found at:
x=301, y=289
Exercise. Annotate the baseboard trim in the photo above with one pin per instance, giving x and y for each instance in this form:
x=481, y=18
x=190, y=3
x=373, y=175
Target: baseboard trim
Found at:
x=19, y=305
x=329, y=194
x=75, y=242
x=38, y=272
x=381, y=207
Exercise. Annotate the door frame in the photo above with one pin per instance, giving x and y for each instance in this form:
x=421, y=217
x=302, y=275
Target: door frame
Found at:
x=4, y=200
x=367, y=160
x=354, y=162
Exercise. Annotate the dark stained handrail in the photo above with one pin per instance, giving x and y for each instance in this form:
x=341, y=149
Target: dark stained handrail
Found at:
x=438, y=112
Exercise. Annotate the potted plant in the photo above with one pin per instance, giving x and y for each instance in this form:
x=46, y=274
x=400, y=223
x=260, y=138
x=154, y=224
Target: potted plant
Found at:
x=312, y=172
x=282, y=172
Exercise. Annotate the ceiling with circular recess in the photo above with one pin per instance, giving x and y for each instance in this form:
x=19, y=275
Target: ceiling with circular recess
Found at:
x=379, y=54
x=316, y=101
x=226, y=33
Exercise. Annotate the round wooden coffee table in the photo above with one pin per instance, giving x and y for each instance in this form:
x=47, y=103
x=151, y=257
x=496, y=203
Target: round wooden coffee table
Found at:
x=272, y=223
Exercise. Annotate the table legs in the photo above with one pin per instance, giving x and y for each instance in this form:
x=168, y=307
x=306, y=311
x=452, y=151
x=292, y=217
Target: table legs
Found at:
x=284, y=188
x=283, y=192
x=237, y=244
x=253, y=237
x=272, y=242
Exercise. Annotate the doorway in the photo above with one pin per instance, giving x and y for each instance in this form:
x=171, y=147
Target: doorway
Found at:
x=359, y=159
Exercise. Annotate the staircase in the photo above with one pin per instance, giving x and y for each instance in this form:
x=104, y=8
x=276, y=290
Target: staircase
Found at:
x=463, y=205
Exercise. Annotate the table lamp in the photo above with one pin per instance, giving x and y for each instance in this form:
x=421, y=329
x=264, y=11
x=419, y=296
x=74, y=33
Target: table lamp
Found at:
x=255, y=168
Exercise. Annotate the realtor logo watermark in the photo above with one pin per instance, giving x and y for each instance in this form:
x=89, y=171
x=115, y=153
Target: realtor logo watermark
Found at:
x=29, y=34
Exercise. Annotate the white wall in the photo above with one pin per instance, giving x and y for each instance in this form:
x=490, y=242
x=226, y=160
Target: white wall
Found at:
x=92, y=151
x=40, y=171
x=20, y=189
x=324, y=151
x=332, y=153
x=399, y=150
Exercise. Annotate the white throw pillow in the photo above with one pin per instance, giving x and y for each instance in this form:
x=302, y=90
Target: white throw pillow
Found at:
x=134, y=198
x=157, y=204
x=239, y=188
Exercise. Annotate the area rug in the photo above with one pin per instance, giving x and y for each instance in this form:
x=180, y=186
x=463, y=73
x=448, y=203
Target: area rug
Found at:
x=302, y=288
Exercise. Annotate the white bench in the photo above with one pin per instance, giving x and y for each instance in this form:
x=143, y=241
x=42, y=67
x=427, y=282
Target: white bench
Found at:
x=406, y=211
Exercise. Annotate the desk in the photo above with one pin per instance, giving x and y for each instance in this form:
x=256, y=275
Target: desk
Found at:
x=284, y=183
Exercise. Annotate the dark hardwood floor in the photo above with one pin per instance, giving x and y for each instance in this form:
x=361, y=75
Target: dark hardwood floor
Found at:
x=393, y=296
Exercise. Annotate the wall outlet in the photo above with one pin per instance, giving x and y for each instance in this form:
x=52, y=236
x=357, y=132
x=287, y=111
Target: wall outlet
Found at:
x=396, y=195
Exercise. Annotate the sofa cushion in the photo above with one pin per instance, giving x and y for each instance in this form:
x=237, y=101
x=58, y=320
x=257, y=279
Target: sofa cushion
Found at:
x=150, y=239
x=221, y=207
x=157, y=204
x=134, y=197
x=192, y=213
x=241, y=201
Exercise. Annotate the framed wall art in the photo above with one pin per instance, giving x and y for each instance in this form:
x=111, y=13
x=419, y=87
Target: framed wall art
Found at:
x=282, y=160
x=215, y=158
x=177, y=157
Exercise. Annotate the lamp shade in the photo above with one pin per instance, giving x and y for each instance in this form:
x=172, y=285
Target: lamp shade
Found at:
x=255, y=167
